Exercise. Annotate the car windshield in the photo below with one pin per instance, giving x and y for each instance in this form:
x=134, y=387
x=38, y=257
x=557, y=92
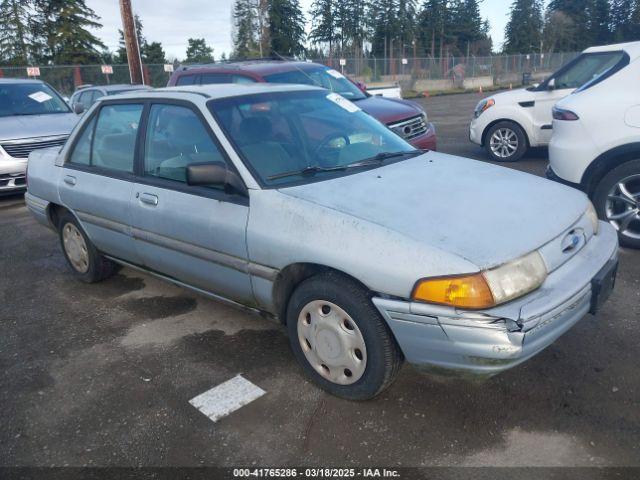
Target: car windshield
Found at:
x=30, y=99
x=288, y=138
x=320, y=77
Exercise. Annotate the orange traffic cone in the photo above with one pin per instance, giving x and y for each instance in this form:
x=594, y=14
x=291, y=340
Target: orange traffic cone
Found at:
x=425, y=94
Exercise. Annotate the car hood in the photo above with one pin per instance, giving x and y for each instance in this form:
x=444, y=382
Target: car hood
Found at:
x=31, y=126
x=388, y=110
x=485, y=214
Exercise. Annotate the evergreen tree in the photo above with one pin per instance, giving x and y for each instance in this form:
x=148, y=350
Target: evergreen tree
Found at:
x=14, y=32
x=574, y=38
x=434, y=23
x=69, y=38
x=154, y=54
x=198, y=51
x=384, y=21
x=286, y=27
x=246, y=29
x=622, y=13
x=323, y=23
x=598, y=22
x=523, y=32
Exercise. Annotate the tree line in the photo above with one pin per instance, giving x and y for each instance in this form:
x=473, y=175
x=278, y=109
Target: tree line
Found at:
x=58, y=32
x=436, y=28
x=570, y=25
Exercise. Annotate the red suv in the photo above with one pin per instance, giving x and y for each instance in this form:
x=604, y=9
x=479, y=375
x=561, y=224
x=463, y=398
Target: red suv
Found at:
x=403, y=117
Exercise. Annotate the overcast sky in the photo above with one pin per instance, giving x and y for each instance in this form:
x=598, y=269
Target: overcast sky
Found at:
x=173, y=21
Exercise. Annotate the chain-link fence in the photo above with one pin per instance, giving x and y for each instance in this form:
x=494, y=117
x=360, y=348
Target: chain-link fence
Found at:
x=412, y=73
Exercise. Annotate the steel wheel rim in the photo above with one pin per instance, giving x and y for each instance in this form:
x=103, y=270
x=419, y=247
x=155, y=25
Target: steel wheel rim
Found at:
x=331, y=342
x=503, y=142
x=622, y=207
x=75, y=247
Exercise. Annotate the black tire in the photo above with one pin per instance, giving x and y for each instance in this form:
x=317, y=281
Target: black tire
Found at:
x=520, y=135
x=97, y=267
x=608, y=182
x=383, y=357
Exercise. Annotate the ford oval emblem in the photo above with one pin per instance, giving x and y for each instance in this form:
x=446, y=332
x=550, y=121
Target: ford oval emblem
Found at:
x=570, y=241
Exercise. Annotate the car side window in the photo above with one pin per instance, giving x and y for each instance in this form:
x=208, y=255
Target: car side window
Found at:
x=85, y=99
x=81, y=154
x=186, y=80
x=115, y=137
x=211, y=78
x=242, y=79
x=177, y=138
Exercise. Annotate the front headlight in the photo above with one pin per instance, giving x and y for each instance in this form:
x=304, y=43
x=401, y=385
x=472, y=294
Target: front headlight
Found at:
x=482, y=106
x=592, y=215
x=485, y=289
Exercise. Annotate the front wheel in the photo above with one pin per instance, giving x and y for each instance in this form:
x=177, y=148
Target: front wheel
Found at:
x=506, y=142
x=340, y=339
x=617, y=201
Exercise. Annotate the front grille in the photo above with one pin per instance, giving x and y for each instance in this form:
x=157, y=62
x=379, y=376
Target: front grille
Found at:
x=9, y=181
x=23, y=149
x=412, y=128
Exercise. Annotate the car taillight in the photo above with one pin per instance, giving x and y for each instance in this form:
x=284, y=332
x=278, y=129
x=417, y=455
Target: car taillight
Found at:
x=562, y=114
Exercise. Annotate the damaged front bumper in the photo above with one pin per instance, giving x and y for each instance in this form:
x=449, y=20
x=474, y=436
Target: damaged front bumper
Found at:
x=488, y=342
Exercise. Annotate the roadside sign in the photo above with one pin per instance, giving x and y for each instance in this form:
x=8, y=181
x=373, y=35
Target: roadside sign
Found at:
x=343, y=62
x=168, y=67
x=107, y=69
x=404, y=61
x=33, y=71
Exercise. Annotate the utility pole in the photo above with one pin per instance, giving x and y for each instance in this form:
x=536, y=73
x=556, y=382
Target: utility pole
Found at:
x=131, y=42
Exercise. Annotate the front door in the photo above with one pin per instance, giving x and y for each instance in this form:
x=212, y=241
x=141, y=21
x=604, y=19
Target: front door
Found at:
x=98, y=179
x=193, y=234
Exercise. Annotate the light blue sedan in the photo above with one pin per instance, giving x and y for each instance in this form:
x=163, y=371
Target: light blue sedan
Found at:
x=293, y=202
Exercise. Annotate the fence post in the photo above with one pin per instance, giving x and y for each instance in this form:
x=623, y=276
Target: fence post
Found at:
x=77, y=77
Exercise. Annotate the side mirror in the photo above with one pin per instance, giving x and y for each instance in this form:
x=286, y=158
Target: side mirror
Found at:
x=551, y=84
x=214, y=174
x=78, y=108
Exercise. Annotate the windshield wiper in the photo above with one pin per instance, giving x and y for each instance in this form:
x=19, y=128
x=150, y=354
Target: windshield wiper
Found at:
x=381, y=157
x=308, y=170
x=375, y=160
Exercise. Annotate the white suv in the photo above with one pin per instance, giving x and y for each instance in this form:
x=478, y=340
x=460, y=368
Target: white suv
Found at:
x=508, y=123
x=596, y=143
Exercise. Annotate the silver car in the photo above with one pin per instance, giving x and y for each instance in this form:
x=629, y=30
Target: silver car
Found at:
x=293, y=202
x=32, y=116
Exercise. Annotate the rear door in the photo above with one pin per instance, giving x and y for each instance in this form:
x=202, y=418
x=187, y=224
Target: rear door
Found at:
x=98, y=178
x=193, y=234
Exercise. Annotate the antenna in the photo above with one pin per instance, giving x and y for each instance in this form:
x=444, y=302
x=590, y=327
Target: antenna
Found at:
x=313, y=81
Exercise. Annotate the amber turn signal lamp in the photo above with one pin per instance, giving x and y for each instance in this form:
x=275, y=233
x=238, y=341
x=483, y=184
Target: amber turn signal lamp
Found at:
x=469, y=291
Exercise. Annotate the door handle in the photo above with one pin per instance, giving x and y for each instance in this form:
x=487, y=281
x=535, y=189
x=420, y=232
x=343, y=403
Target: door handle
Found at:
x=149, y=199
x=70, y=180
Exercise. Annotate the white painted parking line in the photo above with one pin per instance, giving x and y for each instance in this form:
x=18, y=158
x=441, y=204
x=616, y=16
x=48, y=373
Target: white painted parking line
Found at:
x=227, y=397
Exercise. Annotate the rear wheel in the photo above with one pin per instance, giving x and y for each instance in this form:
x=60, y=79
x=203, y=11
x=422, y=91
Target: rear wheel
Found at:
x=340, y=339
x=506, y=142
x=85, y=261
x=617, y=200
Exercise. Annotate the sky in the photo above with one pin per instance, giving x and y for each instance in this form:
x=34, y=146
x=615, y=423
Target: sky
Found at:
x=172, y=22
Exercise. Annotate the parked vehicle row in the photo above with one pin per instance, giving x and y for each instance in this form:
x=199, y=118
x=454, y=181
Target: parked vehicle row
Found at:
x=87, y=95
x=292, y=201
x=595, y=123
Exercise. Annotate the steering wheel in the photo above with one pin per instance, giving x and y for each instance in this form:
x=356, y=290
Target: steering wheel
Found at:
x=326, y=140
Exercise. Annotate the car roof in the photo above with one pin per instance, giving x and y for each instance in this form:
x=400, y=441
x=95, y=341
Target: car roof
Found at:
x=215, y=91
x=5, y=81
x=632, y=48
x=258, y=66
x=111, y=88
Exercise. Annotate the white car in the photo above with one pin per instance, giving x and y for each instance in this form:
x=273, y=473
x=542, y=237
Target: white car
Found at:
x=508, y=123
x=596, y=143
